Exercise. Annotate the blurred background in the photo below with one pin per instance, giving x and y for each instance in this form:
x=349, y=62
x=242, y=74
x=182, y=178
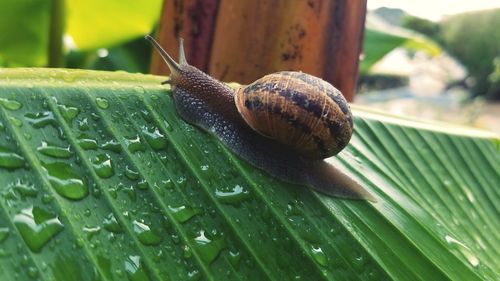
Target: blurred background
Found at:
x=430, y=59
x=438, y=59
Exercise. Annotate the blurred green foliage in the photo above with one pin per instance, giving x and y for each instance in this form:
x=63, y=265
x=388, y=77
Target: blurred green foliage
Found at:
x=376, y=45
x=105, y=35
x=495, y=75
x=132, y=56
x=24, y=26
x=473, y=39
x=428, y=28
x=95, y=23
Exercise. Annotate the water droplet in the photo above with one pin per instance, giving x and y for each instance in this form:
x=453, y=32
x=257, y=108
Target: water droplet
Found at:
x=318, y=255
x=168, y=126
x=111, y=224
x=145, y=234
x=87, y=142
x=113, y=191
x=4, y=233
x=65, y=180
x=208, y=248
x=112, y=145
x=10, y=197
x=119, y=273
x=181, y=180
x=470, y=195
x=37, y=227
x=95, y=116
x=80, y=242
x=187, y=253
x=147, y=116
x=68, y=112
x=184, y=213
x=293, y=209
x=16, y=122
x=135, y=270
x=83, y=124
x=3, y=253
x=46, y=198
x=10, y=104
x=87, y=212
x=155, y=138
x=2, y=126
x=134, y=144
x=41, y=119
x=194, y=275
x=91, y=231
x=25, y=260
x=102, y=103
x=103, y=166
x=466, y=251
x=33, y=272
x=358, y=261
x=139, y=90
x=168, y=184
x=142, y=185
x=131, y=174
x=130, y=191
x=24, y=189
x=9, y=159
x=234, y=258
x=234, y=195
x=54, y=151
x=204, y=167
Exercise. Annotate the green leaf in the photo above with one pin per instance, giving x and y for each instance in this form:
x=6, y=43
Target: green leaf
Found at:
x=32, y=31
x=24, y=26
x=129, y=190
x=96, y=24
x=377, y=44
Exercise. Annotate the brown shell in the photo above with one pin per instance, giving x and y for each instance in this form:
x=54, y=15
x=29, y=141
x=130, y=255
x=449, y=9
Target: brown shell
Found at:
x=299, y=110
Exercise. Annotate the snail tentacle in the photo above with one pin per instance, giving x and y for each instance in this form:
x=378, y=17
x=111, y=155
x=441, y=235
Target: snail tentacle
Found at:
x=182, y=55
x=172, y=65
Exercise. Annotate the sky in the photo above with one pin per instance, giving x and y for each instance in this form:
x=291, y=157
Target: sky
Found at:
x=435, y=9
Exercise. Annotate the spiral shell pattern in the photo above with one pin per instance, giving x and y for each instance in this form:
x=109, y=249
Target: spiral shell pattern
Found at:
x=299, y=110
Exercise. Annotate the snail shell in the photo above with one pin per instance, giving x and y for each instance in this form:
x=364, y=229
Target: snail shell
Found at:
x=299, y=110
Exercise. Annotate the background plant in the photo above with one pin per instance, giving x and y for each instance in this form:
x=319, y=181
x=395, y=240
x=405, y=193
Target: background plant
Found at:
x=473, y=39
x=77, y=34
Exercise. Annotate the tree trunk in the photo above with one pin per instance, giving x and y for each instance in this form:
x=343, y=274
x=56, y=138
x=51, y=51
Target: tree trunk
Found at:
x=244, y=40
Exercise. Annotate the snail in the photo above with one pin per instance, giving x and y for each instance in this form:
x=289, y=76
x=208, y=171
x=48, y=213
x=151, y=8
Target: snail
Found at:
x=284, y=123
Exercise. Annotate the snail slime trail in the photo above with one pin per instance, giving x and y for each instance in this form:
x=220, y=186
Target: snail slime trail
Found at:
x=284, y=123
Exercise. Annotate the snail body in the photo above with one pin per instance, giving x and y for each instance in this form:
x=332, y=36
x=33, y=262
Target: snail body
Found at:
x=281, y=148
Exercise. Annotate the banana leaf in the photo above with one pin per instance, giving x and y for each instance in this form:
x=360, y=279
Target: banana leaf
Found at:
x=101, y=180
